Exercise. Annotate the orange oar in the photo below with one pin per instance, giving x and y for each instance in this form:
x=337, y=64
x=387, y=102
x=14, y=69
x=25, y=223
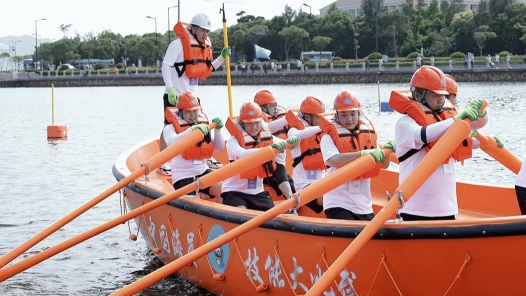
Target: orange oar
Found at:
x=173, y=150
x=502, y=155
x=433, y=159
x=340, y=176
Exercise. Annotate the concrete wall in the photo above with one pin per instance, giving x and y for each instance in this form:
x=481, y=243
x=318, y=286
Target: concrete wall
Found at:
x=495, y=75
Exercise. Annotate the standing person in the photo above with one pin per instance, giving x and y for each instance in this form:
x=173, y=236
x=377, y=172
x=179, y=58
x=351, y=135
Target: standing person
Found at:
x=348, y=136
x=418, y=62
x=488, y=61
x=298, y=65
x=508, y=61
x=273, y=113
x=191, y=164
x=427, y=116
x=367, y=64
x=520, y=187
x=308, y=165
x=250, y=133
x=497, y=61
x=180, y=73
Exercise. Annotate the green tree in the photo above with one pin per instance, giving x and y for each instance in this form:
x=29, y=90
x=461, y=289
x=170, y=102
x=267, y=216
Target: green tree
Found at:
x=482, y=35
x=65, y=29
x=462, y=29
x=292, y=35
x=88, y=46
x=320, y=42
x=507, y=25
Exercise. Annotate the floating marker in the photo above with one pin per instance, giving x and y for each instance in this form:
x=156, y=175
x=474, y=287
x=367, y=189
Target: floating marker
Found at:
x=55, y=131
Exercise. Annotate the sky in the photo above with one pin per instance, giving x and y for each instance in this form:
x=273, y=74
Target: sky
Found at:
x=125, y=17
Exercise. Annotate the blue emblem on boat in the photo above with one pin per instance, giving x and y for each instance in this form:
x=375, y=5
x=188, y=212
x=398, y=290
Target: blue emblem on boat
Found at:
x=219, y=257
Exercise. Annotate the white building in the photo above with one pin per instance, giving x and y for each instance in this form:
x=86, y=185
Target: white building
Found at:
x=354, y=7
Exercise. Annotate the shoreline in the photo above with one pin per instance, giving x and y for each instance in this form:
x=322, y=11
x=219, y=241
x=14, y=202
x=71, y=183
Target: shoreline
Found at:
x=280, y=78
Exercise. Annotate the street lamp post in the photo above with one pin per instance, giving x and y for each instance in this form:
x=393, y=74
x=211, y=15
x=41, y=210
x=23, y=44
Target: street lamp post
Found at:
x=16, y=62
x=36, y=40
x=155, y=19
x=39, y=39
x=169, y=39
x=310, y=8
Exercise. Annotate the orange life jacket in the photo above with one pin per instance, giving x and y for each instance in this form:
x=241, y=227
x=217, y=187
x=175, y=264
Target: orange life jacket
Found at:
x=402, y=101
x=362, y=137
x=311, y=156
x=197, y=57
x=282, y=133
x=202, y=150
x=245, y=140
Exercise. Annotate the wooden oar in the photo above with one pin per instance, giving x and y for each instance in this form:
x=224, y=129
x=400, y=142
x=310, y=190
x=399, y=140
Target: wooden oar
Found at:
x=502, y=155
x=170, y=152
x=433, y=159
x=232, y=169
x=340, y=176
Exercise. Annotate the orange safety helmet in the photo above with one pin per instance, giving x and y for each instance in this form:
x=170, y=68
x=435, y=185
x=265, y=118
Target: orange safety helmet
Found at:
x=312, y=105
x=430, y=78
x=346, y=101
x=250, y=112
x=451, y=85
x=187, y=101
x=264, y=97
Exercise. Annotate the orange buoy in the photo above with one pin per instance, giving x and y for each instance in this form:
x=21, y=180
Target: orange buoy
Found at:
x=55, y=131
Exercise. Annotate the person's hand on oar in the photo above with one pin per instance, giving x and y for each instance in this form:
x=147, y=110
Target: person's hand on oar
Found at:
x=390, y=145
x=475, y=133
x=471, y=112
x=377, y=153
x=293, y=141
x=202, y=127
x=219, y=123
x=279, y=145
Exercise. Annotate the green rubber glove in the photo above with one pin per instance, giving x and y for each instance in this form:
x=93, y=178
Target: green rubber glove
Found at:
x=499, y=142
x=377, y=153
x=280, y=146
x=474, y=133
x=390, y=145
x=477, y=103
x=471, y=112
x=202, y=127
x=293, y=141
x=172, y=96
x=224, y=52
x=218, y=122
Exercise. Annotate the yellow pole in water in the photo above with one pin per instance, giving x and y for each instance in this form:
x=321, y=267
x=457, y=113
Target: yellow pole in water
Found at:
x=52, y=104
x=379, y=101
x=227, y=63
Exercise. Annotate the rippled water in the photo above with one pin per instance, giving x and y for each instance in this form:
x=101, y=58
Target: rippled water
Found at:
x=43, y=181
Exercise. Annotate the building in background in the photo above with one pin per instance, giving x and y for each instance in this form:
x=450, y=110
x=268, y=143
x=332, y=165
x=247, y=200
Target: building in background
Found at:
x=354, y=7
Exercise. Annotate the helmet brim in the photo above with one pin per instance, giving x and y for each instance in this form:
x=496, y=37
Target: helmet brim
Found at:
x=252, y=120
x=440, y=92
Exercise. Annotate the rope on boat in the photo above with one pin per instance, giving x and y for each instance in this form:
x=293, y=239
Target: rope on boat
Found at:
x=382, y=262
x=466, y=260
x=215, y=276
x=124, y=210
x=156, y=249
x=282, y=268
x=259, y=288
x=327, y=266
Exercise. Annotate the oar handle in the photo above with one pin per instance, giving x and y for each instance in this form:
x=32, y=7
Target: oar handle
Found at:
x=502, y=155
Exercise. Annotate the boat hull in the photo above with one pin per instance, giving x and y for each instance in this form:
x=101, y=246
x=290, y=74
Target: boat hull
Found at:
x=478, y=255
